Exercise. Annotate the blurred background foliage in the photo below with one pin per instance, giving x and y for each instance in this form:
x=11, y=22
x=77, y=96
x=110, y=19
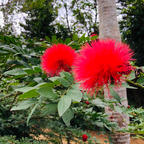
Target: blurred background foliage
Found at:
x=132, y=27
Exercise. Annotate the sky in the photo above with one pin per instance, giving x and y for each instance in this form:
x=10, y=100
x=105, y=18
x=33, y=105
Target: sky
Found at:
x=1, y=19
x=16, y=19
x=1, y=14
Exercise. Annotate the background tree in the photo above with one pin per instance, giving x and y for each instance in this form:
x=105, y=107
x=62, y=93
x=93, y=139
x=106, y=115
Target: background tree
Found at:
x=109, y=28
x=132, y=27
x=53, y=17
x=41, y=20
x=41, y=14
x=85, y=14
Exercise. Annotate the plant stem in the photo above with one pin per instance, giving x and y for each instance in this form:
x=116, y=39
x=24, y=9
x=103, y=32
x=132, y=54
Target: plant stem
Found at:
x=135, y=84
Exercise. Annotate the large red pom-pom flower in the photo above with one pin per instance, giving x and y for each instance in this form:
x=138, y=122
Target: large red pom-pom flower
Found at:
x=101, y=63
x=57, y=58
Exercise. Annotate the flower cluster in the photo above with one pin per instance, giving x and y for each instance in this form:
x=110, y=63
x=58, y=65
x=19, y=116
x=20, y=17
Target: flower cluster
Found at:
x=99, y=63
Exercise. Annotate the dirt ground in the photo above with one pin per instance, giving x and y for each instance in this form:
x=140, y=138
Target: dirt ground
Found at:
x=103, y=139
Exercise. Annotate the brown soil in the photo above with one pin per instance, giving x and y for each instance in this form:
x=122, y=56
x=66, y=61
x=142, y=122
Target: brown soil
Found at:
x=103, y=139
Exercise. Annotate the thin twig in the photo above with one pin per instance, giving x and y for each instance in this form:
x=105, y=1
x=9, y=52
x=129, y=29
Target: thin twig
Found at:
x=135, y=84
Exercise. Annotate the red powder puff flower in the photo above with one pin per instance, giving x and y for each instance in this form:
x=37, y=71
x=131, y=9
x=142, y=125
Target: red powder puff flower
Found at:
x=57, y=58
x=102, y=63
x=84, y=137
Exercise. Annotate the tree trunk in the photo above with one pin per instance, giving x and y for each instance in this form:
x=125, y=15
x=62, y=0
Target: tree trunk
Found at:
x=108, y=28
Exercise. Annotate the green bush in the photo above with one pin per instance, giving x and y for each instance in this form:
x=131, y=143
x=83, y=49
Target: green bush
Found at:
x=31, y=102
x=12, y=140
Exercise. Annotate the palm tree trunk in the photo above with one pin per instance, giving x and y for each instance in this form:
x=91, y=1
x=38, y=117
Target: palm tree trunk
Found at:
x=108, y=28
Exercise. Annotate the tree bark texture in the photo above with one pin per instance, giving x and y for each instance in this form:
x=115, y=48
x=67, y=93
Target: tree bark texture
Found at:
x=108, y=28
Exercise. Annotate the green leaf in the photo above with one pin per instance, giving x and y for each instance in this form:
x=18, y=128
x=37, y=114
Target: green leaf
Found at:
x=75, y=37
x=132, y=75
x=74, y=93
x=43, y=84
x=128, y=86
x=99, y=124
x=99, y=103
x=15, y=72
x=23, y=105
x=28, y=70
x=67, y=117
x=68, y=40
x=47, y=92
x=29, y=94
x=50, y=109
x=68, y=76
x=54, y=78
x=37, y=69
x=31, y=113
x=38, y=79
x=54, y=39
x=24, y=89
x=48, y=39
x=64, y=82
x=140, y=80
x=63, y=105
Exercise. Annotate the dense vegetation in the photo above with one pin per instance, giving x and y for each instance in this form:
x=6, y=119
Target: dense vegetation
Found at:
x=31, y=103
x=132, y=27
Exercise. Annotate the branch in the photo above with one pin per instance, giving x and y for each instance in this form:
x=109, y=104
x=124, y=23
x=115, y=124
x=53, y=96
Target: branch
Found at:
x=67, y=18
x=134, y=84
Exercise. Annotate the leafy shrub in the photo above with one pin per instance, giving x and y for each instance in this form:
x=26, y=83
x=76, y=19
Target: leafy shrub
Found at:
x=32, y=103
x=12, y=140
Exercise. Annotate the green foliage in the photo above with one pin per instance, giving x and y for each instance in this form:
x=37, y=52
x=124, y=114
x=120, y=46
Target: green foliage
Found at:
x=38, y=100
x=132, y=27
x=135, y=90
x=32, y=103
x=42, y=17
x=12, y=123
x=41, y=14
x=85, y=13
x=13, y=140
x=136, y=126
x=16, y=63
